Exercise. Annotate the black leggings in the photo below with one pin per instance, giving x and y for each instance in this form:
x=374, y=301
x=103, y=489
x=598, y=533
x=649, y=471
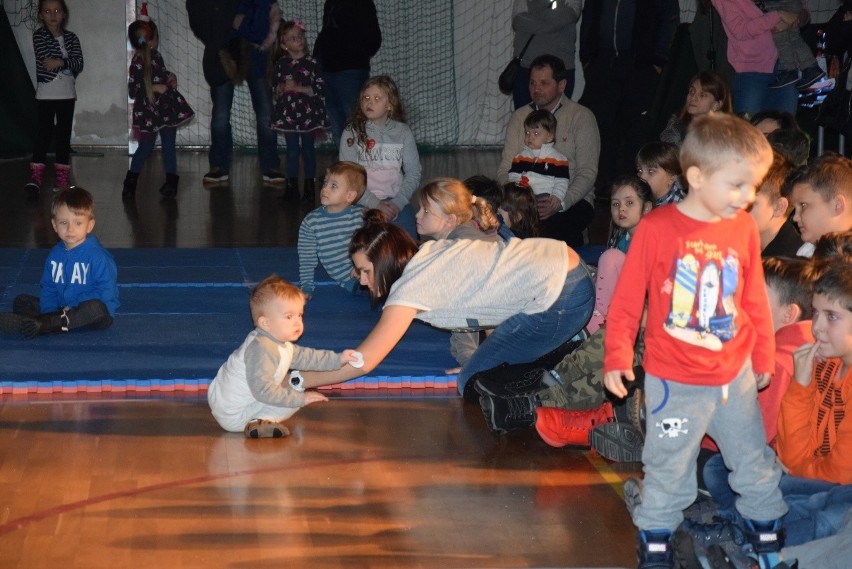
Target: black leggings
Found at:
x=89, y=315
x=55, y=117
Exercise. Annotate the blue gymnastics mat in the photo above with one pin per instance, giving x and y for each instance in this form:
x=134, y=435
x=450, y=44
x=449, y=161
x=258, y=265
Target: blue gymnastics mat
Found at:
x=183, y=311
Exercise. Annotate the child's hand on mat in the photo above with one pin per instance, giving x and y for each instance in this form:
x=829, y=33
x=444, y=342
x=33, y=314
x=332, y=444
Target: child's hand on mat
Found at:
x=314, y=397
x=452, y=370
x=803, y=363
x=351, y=357
x=613, y=382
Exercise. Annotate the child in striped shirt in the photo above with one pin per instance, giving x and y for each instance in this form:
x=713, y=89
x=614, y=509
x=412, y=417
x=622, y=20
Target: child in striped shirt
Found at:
x=325, y=233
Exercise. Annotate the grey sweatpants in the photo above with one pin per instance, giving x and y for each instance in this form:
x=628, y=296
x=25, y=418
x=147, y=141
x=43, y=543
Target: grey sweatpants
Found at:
x=678, y=416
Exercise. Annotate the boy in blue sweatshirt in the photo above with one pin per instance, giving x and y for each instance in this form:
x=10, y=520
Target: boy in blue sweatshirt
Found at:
x=78, y=286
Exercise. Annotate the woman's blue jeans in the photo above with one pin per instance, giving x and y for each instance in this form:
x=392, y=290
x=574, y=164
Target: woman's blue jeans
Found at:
x=526, y=337
x=751, y=94
x=342, y=89
x=221, y=138
x=815, y=507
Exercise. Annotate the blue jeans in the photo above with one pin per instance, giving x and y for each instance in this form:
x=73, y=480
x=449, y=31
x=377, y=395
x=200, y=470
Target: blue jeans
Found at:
x=221, y=139
x=752, y=95
x=309, y=157
x=526, y=337
x=342, y=89
x=815, y=507
x=147, y=140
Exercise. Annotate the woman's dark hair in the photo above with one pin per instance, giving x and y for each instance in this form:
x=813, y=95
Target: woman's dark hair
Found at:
x=387, y=246
x=784, y=120
x=520, y=206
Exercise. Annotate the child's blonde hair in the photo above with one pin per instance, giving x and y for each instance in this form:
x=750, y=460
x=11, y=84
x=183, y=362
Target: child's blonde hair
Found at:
x=140, y=34
x=358, y=121
x=453, y=197
x=717, y=138
x=354, y=174
x=269, y=289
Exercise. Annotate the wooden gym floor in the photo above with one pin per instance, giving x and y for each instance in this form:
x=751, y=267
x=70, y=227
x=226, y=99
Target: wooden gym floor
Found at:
x=366, y=480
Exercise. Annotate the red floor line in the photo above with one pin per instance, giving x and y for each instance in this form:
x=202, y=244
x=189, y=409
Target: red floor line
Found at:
x=19, y=523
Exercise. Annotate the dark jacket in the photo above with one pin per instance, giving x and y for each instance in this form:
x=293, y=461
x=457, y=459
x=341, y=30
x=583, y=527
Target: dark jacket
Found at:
x=349, y=37
x=654, y=25
x=45, y=46
x=211, y=21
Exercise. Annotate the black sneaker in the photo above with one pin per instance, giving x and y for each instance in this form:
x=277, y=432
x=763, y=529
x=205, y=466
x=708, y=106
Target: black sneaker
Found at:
x=723, y=533
x=274, y=177
x=507, y=414
x=784, y=78
x=504, y=381
x=215, y=176
x=618, y=442
x=810, y=76
x=692, y=556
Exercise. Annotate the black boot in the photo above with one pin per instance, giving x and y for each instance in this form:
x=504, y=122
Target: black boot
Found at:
x=170, y=188
x=129, y=189
x=309, y=195
x=45, y=324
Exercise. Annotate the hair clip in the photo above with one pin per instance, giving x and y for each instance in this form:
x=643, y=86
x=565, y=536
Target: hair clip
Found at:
x=299, y=24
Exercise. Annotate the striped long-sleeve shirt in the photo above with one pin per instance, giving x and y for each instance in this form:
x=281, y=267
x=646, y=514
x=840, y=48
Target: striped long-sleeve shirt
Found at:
x=45, y=46
x=324, y=237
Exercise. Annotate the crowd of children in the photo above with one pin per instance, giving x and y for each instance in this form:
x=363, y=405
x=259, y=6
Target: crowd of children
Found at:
x=737, y=341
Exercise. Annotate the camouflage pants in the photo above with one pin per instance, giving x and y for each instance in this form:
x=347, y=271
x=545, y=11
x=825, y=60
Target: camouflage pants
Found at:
x=579, y=376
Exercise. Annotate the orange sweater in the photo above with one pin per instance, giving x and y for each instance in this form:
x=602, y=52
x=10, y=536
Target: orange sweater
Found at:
x=815, y=425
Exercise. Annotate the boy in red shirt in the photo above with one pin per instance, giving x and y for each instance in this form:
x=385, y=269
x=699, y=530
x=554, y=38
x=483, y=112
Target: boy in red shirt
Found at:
x=708, y=320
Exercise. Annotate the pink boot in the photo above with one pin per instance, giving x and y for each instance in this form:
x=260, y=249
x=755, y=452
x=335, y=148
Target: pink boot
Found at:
x=63, y=173
x=33, y=187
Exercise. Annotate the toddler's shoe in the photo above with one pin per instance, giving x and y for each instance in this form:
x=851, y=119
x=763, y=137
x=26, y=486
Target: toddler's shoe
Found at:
x=265, y=429
x=810, y=76
x=784, y=78
x=654, y=549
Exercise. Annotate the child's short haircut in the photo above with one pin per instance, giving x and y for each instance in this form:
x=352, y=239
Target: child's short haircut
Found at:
x=836, y=284
x=521, y=208
x=541, y=119
x=832, y=249
x=660, y=155
x=487, y=189
x=792, y=280
x=268, y=289
x=794, y=143
x=717, y=138
x=354, y=174
x=774, y=184
x=75, y=198
x=828, y=175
